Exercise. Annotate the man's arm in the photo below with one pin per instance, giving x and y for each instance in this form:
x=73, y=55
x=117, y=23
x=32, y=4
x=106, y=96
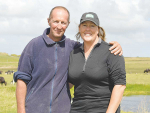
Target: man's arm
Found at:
x=21, y=91
x=116, y=48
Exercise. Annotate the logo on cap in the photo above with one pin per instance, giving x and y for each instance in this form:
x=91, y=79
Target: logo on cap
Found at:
x=89, y=16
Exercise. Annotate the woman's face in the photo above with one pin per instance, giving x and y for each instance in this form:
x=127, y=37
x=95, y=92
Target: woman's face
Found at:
x=88, y=31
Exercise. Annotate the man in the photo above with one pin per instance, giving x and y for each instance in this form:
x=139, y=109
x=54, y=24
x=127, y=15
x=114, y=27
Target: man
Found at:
x=43, y=66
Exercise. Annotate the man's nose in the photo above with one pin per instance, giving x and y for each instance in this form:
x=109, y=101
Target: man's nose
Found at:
x=59, y=26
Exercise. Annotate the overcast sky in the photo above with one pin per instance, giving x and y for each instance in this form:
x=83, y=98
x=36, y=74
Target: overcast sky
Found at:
x=125, y=21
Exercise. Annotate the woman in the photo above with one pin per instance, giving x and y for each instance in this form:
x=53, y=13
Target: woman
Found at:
x=99, y=77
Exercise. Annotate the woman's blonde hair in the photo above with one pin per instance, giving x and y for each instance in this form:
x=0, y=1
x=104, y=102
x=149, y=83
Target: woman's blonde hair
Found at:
x=100, y=34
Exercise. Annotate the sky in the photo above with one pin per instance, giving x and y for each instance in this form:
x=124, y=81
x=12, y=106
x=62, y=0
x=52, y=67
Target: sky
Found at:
x=124, y=21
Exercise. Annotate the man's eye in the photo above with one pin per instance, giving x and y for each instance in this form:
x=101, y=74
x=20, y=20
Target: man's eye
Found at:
x=55, y=21
x=64, y=23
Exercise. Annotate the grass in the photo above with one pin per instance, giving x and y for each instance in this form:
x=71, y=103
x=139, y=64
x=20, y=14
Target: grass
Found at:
x=136, y=64
x=137, y=89
x=8, y=62
x=125, y=112
x=137, y=82
x=7, y=96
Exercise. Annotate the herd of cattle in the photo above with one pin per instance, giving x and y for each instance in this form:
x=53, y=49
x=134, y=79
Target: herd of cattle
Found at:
x=7, y=72
x=2, y=80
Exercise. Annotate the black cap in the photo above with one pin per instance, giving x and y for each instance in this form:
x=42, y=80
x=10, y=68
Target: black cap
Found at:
x=90, y=16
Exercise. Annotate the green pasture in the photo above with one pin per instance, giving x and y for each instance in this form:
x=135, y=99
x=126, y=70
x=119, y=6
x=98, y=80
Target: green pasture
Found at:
x=138, y=83
x=8, y=61
x=136, y=64
x=7, y=96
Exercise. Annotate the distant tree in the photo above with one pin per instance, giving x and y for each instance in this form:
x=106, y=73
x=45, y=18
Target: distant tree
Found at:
x=6, y=54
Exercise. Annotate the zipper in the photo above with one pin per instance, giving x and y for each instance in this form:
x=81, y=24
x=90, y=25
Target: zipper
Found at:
x=53, y=78
x=87, y=58
x=30, y=94
x=86, y=61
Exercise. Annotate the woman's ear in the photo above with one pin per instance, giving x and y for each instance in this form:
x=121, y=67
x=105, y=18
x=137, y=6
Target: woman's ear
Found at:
x=79, y=28
x=98, y=31
x=99, y=28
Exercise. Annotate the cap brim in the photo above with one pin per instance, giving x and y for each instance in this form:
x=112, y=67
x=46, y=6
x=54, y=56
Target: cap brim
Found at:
x=89, y=20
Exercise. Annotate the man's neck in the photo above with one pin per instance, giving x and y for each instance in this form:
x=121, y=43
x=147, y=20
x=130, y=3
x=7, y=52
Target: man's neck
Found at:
x=55, y=39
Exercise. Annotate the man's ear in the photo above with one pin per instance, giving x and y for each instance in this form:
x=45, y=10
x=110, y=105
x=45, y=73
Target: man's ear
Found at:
x=48, y=20
x=68, y=24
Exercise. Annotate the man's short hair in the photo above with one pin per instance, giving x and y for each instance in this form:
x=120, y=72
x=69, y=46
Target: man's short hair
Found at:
x=60, y=7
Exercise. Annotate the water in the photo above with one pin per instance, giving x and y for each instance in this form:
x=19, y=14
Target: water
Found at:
x=140, y=103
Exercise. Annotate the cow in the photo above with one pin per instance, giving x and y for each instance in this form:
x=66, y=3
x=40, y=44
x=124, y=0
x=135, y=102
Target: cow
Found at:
x=12, y=82
x=147, y=71
x=1, y=72
x=2, y=81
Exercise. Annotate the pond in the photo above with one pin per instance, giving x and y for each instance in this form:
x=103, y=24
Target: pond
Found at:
x=136, y=103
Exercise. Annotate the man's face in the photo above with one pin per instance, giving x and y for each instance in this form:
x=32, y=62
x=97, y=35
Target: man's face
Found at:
x=58, y=23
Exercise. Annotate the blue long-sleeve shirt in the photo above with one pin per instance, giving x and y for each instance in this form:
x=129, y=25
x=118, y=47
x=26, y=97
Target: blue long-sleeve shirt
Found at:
x=43, y=66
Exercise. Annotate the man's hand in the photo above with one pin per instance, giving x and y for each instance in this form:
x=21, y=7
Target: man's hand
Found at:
x=116, y=48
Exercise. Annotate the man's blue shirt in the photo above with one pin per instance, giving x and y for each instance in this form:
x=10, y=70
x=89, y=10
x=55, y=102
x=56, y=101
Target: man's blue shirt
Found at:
x=43, y=66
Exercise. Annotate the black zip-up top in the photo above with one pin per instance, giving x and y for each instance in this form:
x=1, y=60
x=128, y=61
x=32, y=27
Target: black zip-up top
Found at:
x=95, y=78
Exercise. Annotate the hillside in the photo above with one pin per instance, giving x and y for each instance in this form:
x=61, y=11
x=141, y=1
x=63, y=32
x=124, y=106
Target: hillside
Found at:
x=8, y=61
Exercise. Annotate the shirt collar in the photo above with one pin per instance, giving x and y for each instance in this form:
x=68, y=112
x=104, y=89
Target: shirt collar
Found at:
x=48, y=40
x=98, y=43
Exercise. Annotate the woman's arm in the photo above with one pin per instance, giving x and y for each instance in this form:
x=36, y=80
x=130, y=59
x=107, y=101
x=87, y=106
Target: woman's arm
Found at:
x=115, y=99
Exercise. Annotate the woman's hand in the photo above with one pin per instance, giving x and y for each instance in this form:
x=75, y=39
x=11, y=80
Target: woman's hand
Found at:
x=116, y=48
